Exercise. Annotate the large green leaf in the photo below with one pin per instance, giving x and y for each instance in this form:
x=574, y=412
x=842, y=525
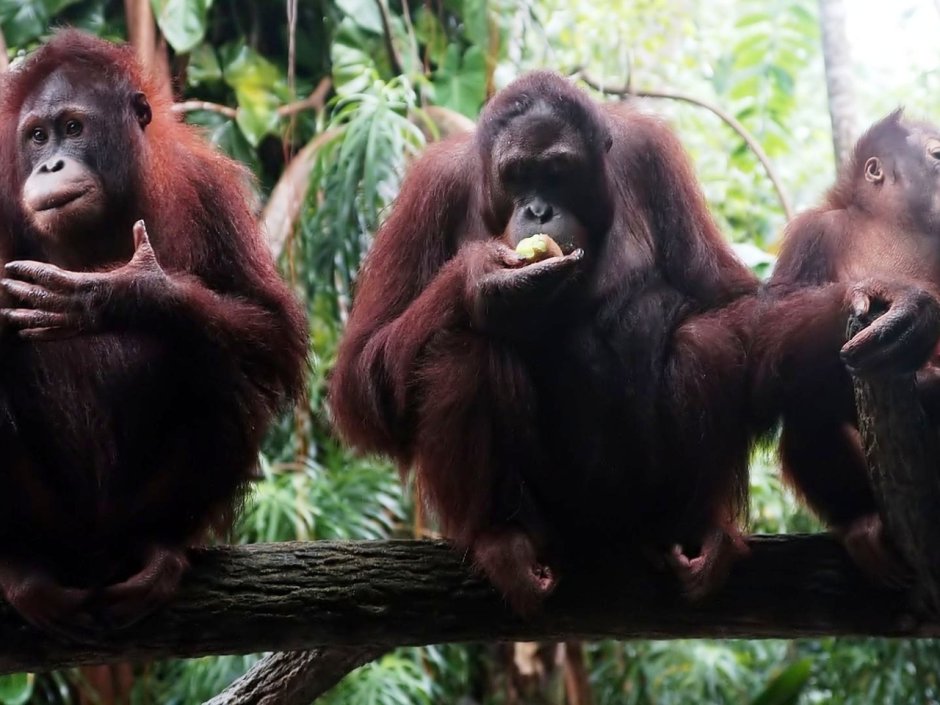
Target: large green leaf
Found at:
x=16, y=689
x=364, y=13
x=786, y=688
x=23, y=22
x=54, y=7
x=431, y=34
x=354, y=68
x=254, y=80
x=460, y=83
x=476, y=22
x=183, y=22
x=203, y=66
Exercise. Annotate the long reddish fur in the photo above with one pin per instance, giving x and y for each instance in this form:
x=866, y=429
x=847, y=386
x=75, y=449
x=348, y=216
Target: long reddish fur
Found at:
x=229, y=354
x=414, y=380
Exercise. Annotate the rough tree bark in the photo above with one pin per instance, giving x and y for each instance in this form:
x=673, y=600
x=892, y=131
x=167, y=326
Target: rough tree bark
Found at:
x=839, y=84
x=901, y=448
x=296, y=677
x=297, y=596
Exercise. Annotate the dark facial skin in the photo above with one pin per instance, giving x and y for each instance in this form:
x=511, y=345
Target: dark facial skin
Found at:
x=906, y=179
x=898, y=188
x=62, y=133
x=543, y=178
x=538, y=168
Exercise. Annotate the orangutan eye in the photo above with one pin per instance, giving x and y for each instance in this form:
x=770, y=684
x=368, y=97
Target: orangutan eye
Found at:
x=73, y=128
x=39, y=135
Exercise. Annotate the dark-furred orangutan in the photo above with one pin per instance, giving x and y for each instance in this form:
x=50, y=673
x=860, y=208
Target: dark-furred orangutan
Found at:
x=592, y=397
x=591, y=401
x=147, y=338
x=881, y=219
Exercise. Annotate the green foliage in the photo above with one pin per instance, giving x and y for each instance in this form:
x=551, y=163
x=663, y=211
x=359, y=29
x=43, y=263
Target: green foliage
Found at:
x=365, y=13
x=774, y=509
x=756, y=79
x=256, y=82
x=25, y=22
x=182, y=22
x=394, y=679
x=16, y=689
x=759, y=72
x=460, y=81
x=342, y=498
x=787, y=686
x=685, y=671
x=358, y=174
x=189, y=682
x=758, y=60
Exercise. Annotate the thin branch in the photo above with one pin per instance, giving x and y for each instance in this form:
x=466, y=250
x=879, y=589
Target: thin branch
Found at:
x=409, y=26
x=729, y=119
x=315, y=101
x=4, y=56
x=287, y=143
x=302, y=596
x=393, y=57
x=189, y=106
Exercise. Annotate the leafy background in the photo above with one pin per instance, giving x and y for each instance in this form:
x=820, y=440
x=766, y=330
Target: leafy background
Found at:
x=334, y=97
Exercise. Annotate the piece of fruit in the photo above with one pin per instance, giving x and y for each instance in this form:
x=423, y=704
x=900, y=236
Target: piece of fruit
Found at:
x=538, y=247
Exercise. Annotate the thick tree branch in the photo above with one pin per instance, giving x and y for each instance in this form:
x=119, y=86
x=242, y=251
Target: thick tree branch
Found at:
x=295, y=596
x=726, y=117
x=296, y=677
x=901, y=448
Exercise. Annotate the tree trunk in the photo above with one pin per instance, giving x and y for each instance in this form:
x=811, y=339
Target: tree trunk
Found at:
x=151, y=47
x=839, y=83
x=901, y=449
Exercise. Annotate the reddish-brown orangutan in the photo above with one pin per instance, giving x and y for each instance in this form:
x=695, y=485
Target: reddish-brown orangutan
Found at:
x=533, y=397
x=585, y=402
x=881, y=219
x=147, y=339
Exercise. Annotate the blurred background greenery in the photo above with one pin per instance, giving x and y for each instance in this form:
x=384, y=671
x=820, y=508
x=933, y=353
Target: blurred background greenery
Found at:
x=329, y=99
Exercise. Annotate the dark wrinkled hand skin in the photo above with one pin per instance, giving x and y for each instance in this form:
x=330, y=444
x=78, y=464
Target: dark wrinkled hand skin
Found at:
x=50, y=303
x=902, y=333
x=509, y=296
